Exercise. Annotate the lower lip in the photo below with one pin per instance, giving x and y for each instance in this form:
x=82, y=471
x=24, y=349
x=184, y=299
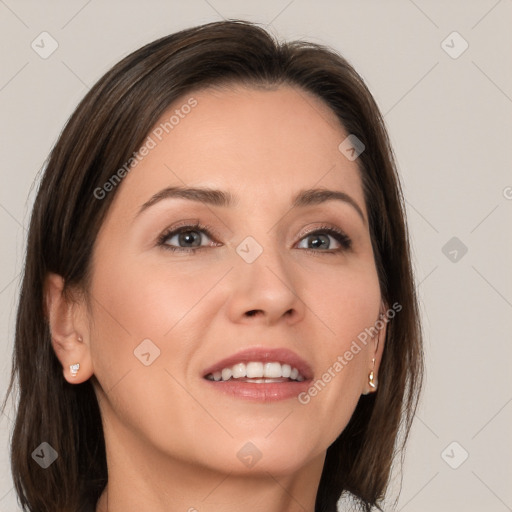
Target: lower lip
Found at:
x=267, y=392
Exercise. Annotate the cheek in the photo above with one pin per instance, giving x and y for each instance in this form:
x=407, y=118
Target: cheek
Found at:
x=139, y=309
x=148, y=300
x=346, y=300
x=347, y=303
x=140, y=345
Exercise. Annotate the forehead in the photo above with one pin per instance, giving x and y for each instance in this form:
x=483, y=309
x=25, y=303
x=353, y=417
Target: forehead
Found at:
x=262, y=145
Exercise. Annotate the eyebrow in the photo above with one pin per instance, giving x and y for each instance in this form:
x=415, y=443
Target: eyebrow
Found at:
x=215, y=197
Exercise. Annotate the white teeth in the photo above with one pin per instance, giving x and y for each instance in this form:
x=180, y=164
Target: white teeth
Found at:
x=239, y=371
x=226, y=374
x=272, y=370
x=257, y=370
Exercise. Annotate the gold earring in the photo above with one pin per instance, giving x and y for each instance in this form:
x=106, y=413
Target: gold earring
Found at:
x=372, y=382
x=73, y=368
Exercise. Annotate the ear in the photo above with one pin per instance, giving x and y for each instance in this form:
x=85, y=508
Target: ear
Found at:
x=68, y=328
x=376, y=349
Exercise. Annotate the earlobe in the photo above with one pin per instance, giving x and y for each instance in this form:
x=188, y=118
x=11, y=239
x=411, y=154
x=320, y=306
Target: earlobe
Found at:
x=69, y=346
x=76, y=363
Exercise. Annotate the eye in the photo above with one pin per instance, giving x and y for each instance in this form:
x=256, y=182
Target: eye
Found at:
x=320, y=239
x=186, y=238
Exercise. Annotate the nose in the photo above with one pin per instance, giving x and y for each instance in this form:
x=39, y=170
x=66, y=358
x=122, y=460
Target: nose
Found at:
x=266, y=290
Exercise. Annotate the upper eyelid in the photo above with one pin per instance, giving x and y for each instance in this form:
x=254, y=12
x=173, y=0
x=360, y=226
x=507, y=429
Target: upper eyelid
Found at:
x=190, y=225
x=325, y=227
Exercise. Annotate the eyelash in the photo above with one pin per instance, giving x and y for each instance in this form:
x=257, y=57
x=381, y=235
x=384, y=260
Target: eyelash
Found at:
x=340, y=236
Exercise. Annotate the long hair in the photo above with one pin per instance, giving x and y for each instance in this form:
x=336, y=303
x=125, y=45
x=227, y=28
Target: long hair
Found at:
x=107, y=127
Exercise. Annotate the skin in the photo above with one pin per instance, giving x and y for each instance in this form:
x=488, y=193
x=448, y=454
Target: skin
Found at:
x=171, y=439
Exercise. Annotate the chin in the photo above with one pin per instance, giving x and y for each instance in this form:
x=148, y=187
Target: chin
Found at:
x=257, y=454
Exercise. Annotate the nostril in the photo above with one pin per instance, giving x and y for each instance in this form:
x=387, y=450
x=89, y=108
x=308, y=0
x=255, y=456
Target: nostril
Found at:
x=252, y=312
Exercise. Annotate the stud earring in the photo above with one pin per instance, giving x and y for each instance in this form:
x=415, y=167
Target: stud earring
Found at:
x=74, y=369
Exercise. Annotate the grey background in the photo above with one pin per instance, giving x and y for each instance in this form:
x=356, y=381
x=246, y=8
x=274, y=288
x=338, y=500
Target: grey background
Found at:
x=450, y=125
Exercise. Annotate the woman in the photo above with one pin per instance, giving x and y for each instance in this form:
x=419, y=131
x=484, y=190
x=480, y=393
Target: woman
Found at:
x=218, y=311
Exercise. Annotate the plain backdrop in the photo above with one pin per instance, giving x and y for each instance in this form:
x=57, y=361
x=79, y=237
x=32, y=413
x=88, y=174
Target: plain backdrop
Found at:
x=441, y=74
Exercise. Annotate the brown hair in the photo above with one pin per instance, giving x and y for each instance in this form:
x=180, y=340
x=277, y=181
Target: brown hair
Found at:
x=66, y=219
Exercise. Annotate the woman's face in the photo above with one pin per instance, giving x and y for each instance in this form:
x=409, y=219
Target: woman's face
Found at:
x=164, y=316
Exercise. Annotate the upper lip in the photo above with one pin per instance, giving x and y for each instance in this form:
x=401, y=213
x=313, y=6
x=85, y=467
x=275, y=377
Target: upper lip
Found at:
x=264, y=355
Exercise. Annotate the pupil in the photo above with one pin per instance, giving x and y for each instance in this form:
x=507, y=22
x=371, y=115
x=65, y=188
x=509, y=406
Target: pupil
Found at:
x=318, y=241
x=188, y=237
